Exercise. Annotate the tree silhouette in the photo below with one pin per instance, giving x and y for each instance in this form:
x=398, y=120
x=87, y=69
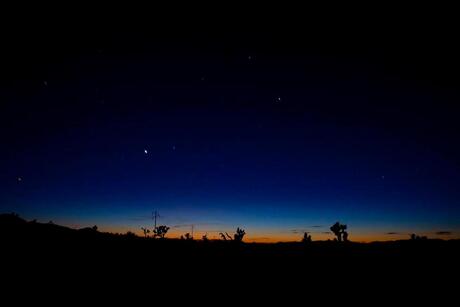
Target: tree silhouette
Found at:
x=160, y=231
x=146, y=231
x=339, y=230
x=238, y=236
x=205, y=238
x=345, y=236
x=225, y=236
x=306, y=238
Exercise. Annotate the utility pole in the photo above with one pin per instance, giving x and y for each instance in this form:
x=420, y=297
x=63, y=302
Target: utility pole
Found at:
x=192, y=230
x=155, y=215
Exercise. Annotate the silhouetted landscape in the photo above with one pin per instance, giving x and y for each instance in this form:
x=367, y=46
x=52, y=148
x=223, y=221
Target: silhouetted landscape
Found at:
x=229, y=155
x=50, y=241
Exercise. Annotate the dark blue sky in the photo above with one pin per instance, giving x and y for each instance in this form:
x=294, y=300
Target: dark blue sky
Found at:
x=262, y=130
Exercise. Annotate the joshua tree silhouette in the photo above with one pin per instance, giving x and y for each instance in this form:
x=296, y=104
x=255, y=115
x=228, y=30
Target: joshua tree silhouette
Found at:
x=160, y=231
x=306, y=238
x=225, y=236
x=146, y=231
x=238, y=236
x=345, y=236
x=339, y=231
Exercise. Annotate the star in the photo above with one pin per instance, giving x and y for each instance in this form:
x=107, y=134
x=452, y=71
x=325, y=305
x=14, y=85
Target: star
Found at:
x=45, y=83
x=146, y=151
x=383, y=177
x=174, y=147
x=278, y=99
x=19, y=179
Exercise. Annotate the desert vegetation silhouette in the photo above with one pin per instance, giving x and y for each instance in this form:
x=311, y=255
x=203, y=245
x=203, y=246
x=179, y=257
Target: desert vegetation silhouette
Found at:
x=237, y=237
x=339, y=230
x=160, y=231
x=306, y=238
x=15, y=229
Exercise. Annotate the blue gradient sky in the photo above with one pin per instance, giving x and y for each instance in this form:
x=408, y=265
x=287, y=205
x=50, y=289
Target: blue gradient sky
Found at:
x=275, y=140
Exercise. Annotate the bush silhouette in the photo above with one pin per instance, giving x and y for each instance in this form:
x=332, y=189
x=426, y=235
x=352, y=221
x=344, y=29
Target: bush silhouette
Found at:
x=339, y=230
x=187, y=236
x=417, y=237
x=160, y=231
x=130, y=234
x=306, y=238
x=146, y=231
x=238, y=236
x=225, y=236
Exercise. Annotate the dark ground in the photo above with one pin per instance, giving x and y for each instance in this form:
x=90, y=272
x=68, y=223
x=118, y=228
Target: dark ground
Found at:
x=35, y=252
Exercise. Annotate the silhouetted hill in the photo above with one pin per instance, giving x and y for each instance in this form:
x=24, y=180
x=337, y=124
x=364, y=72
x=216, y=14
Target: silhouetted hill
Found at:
x=46, y=249
x=16, y=231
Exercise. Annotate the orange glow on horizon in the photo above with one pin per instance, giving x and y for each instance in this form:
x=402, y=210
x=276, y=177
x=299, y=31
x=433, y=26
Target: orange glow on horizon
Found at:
x=261, y=237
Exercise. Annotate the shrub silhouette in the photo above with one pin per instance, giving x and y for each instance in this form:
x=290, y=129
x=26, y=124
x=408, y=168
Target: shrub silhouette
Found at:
x=130, y=235
x=146, y=231
x=238, y=236
x=339, y=230
x=225, y=236
x=187, y=236
x=205, y=238
x=417, y=237
x=160, y=231
x=306, y=238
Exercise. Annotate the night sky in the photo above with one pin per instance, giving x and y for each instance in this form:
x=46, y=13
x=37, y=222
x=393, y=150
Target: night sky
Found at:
x=278, y=130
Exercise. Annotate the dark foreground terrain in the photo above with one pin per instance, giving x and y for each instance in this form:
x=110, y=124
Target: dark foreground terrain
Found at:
x=33, y=253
